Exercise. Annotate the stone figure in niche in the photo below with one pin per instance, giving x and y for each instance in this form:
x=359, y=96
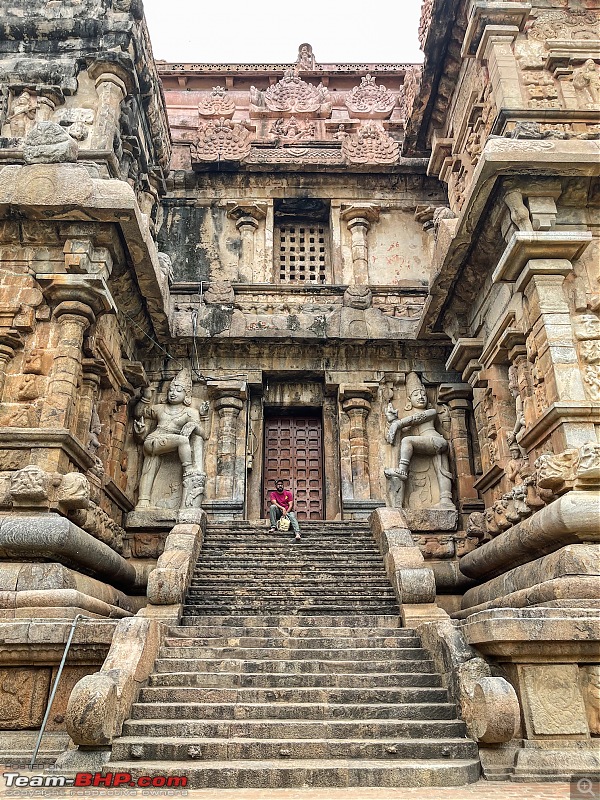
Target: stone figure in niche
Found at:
x=178, y=429
x=422, y=439
x=519, y=426
x=22, y=115
x=586, y=82
x=306, y=58
x=94, y=442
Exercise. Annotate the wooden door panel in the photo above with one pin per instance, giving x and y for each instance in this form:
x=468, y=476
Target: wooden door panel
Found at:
x=294, y=452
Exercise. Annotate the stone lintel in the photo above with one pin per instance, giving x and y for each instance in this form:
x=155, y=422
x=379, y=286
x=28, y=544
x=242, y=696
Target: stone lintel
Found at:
x=501, y=339
x=576, y=418
x=358, y=391
x=218, y=390
x=498, y=14
x=47, y=438
x=526, y=634
x=29, y=641
x=570, y=52
x=366, y=211
x=464, y=351
x=453, y=392
x=252, y=211
x=541, y=247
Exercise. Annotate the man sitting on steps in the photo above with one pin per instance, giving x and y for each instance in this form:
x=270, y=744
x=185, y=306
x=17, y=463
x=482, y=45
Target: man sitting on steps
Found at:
x=282, y=502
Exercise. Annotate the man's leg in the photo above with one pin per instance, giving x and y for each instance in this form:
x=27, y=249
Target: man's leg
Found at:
x=274, y=514
x=294, y=524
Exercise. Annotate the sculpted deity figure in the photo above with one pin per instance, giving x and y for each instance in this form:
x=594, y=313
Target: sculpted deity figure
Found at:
x=586, y=81
x=178, y=429
x=22, y=115
x=423, y=439
x=306, y=58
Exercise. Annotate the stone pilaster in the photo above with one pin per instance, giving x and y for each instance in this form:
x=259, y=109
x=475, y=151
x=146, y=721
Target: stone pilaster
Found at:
x=111, y=89
x=229, y=398
x=247, y=219
x=356, y=403
x=458, y=399
x=359, y=220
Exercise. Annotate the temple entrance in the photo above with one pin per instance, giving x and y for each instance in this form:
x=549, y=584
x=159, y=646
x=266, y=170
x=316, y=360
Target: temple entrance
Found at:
x=294, y=452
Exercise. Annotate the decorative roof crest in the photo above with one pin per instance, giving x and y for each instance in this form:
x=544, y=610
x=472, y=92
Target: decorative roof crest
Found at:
x=291, y=95
x=217, y=104
x=222, y=140
x=370, y=100
x=370, y=145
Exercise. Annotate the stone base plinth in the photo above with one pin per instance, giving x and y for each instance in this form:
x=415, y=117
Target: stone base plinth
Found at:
x=223, y=510
x=152, y=518
x=360, y=510
x=431, y=519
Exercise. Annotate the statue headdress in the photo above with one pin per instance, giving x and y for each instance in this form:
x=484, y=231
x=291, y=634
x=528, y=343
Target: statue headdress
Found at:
x=413, y=382
x=184, y=379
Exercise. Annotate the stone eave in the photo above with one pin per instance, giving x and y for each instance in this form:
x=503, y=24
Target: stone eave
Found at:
x=439, y=58
x=166, y=68
x=500, y=157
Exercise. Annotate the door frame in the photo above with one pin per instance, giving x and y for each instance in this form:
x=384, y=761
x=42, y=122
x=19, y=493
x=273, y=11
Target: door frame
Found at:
x=270, y=412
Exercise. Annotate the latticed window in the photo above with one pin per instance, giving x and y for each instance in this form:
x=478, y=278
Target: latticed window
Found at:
x=302, y=253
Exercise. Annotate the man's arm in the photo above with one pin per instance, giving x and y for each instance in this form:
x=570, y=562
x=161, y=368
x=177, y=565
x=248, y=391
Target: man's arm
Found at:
x=290, y=502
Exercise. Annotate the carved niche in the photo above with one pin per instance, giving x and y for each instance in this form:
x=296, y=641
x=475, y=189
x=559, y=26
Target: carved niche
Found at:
x=370, y=145
x=217, y=104
x=221, y=140
x=370, y=100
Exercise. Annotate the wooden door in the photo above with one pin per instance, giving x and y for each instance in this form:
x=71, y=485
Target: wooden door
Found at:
x=294, y=453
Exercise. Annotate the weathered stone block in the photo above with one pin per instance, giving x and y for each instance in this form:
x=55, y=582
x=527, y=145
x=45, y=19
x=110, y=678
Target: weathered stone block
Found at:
x=23, y=697
x=552, y=701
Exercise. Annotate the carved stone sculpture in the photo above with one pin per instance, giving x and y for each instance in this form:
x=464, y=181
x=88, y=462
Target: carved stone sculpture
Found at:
x=94, y=443
x=291, y=95
x=370, y=145
x=22, y=115
x=586, y=82
x=217, y=104
x=424, y=439
x=519, y=426
x=222, y=140
x=48, y=143
x=306, y=57
x=178, y=430
x=369, y=100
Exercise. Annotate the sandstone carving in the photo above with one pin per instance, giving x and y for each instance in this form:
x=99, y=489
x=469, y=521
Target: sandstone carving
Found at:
x=370, y=145
x=178, y=429
x=369, y=101
x=217, y=104
x=22, y=115
x=291, y=95
x=306, y=57
x=424, y=439
x=77, y=122
x=586, y=82
x=292, y=129
x=48, y=143
x=221, y=140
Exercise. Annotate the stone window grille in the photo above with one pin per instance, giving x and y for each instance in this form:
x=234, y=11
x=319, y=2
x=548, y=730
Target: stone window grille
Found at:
x=302, y=252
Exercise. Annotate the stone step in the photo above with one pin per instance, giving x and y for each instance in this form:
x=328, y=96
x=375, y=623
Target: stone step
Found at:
x=266, y=680
x=241, y=666
x=367, y=728
x=213, y=694
x=294, y=711
x=302, y=573
x=314, y=643
x=353, y=621
x=193, y=749
x=292, y=654
x=289, y=773
x=293, y=630
x=191, y=612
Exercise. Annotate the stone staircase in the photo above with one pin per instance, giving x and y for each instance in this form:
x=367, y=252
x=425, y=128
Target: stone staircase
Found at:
x=290, y=668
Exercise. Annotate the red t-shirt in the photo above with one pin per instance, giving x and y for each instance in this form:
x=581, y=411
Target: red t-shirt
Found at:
x=284, y=499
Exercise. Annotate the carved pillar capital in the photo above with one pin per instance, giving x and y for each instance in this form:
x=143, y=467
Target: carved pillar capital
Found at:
x=71, y=293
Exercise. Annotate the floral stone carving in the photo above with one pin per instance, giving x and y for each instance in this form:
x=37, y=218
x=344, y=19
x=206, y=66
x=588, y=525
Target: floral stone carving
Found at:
x=217, y=104
x=291, y=95
x=221, y=140
x=370, y=100
x=370, y=145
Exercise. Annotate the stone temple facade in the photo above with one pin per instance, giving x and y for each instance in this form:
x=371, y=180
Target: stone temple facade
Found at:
x=379, y=282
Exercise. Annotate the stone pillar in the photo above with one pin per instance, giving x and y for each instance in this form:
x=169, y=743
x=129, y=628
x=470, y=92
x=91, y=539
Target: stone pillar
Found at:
x=359, y=220
x=356, y=403
x=90, y=381
x=73, y=319
x=111, y=89
x=458, y=399
x=48, y=98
